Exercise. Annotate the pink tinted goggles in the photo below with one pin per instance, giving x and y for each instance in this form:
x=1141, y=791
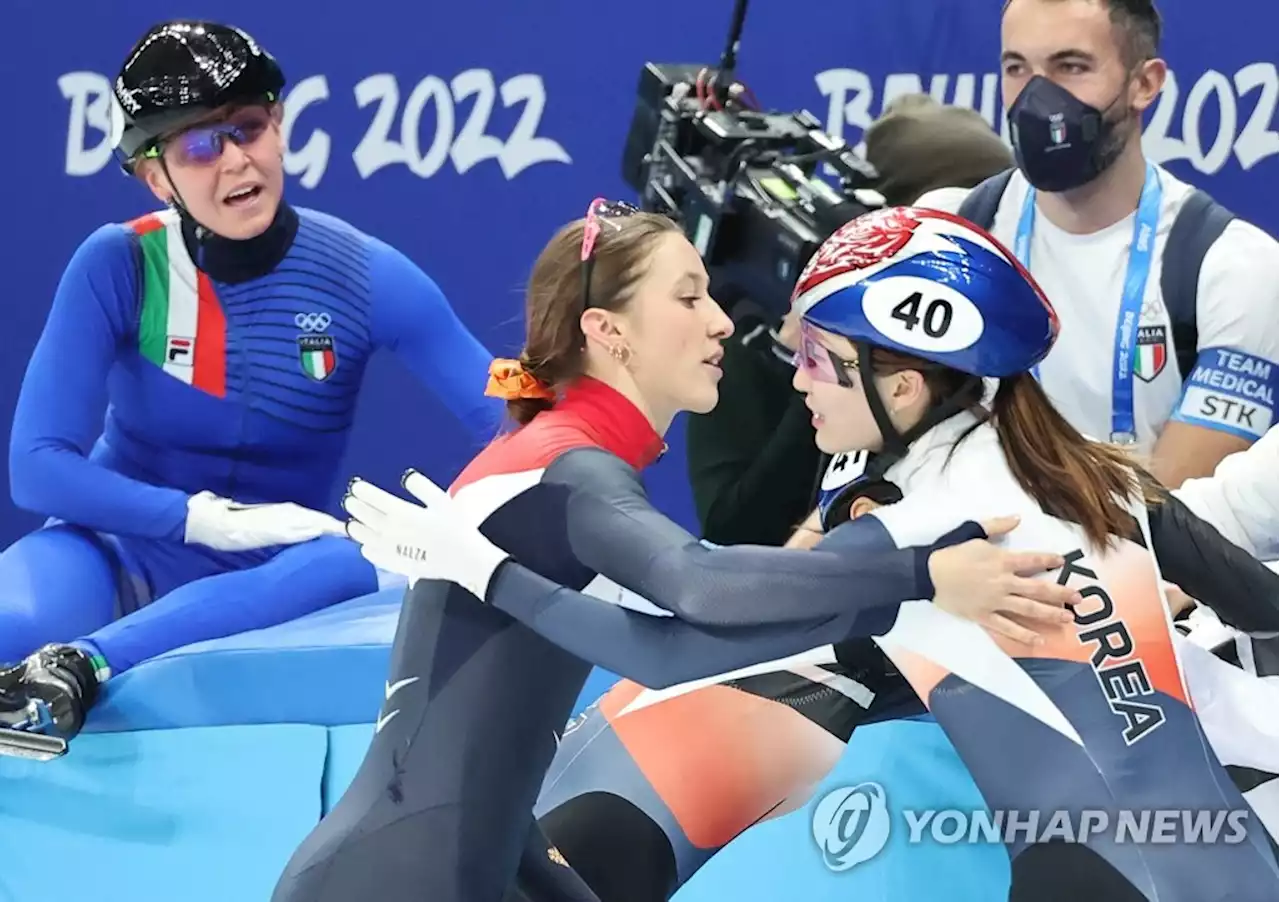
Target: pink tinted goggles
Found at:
x=818, y=362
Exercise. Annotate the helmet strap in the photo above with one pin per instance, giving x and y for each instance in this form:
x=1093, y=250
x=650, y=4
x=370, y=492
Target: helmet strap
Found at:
x=896, y=444
x=175, y=201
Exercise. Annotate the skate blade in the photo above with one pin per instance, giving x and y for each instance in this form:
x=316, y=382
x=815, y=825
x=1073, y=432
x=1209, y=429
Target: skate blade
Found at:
x=35, y=746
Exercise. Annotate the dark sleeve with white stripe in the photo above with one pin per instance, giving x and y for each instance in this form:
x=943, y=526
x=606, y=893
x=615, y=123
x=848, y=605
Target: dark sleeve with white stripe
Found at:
x=654, y=651
x=614, y=530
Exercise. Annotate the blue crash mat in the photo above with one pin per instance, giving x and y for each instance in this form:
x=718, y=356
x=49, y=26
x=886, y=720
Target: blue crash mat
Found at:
x=201, y=815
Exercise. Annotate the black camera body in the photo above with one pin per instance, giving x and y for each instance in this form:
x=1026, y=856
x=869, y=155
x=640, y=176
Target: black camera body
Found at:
x=742, y=182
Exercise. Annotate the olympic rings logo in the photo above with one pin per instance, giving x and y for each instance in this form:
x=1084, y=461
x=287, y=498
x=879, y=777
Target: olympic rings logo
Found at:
x=313, y=322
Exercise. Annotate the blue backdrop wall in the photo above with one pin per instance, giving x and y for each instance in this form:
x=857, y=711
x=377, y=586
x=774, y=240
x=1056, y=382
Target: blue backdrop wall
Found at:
x=465, y=133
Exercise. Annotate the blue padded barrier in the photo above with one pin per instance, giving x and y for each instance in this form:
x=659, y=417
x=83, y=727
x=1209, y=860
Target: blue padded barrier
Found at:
x=197, y=814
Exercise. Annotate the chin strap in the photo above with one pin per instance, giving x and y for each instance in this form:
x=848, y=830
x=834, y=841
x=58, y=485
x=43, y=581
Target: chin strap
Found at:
x=895, y=443
x=199, y=232
x=176, y=202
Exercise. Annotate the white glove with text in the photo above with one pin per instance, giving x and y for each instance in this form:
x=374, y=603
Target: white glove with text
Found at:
x=225, y=525
x=432, y=540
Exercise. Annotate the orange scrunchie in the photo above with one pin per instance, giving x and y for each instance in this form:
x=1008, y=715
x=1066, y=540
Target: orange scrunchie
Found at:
x=509, y=380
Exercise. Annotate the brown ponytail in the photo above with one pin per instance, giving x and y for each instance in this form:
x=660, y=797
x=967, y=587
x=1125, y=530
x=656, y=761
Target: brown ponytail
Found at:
x=555, y=349
x=1072, y=478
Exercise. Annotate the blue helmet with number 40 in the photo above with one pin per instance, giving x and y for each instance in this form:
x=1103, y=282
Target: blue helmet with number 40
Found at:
x=931, y=285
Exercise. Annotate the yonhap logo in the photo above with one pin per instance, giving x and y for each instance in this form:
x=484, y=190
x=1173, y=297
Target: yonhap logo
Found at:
x=851, y=825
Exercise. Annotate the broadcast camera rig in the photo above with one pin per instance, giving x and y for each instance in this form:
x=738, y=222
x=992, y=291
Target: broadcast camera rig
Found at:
x=740, y=180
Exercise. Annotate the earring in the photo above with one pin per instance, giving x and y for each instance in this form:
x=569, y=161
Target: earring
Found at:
x=621, y=353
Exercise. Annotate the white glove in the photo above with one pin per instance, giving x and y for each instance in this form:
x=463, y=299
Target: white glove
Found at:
x=226, y=525
x=428, y=541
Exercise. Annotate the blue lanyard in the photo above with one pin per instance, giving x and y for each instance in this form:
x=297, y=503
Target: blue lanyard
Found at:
x=1123, y=428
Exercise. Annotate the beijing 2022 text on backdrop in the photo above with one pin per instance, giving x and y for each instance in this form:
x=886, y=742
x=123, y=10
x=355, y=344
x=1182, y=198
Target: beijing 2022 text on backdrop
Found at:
x=465, y=133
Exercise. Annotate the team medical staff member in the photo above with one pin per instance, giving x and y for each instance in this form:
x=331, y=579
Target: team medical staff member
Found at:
x=1090, y=217
x=226, y=337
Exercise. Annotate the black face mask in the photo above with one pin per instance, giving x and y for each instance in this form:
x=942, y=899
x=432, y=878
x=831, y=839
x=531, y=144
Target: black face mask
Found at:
x=1059, y=141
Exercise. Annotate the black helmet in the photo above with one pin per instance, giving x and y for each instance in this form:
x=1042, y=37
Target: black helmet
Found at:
x=181, y=69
